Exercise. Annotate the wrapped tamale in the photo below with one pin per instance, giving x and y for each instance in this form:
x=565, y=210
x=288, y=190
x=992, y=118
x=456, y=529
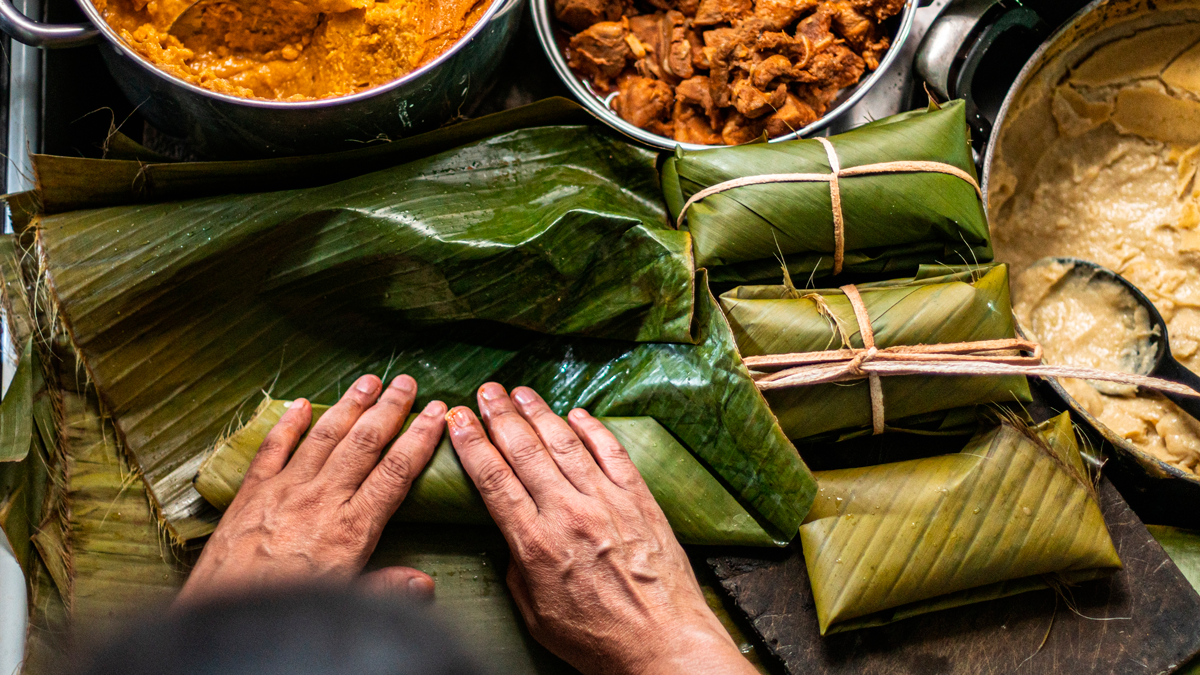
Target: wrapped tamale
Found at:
x=1015, y=510
x=892, y=221
x=699, y=508
x=940, y=304
x=538, y=257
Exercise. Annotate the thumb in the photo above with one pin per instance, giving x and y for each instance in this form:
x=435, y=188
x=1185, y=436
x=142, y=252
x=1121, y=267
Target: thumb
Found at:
x=405, y=581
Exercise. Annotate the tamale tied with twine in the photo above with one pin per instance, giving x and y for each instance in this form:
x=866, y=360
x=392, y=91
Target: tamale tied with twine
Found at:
x=885, y=197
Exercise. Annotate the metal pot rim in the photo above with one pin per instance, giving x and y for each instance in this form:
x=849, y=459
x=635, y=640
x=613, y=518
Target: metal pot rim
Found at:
x=496, y=8
x=545, y=30
x=1034, y=64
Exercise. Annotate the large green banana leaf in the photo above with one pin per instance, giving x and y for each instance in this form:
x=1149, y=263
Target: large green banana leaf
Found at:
x=1183, y=547
x=185, y=312
x=893, y=222
x=699, y=509
x=938, y=305
x=895, y=540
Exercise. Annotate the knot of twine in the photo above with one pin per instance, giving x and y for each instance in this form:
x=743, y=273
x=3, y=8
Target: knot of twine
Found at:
x=835, y=190
x=1011, y=356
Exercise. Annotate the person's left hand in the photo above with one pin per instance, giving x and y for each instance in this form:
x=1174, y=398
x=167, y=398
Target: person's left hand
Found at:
x=317, y=516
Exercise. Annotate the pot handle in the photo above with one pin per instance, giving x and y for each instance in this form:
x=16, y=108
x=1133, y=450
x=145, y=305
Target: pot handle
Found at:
x=957, y=42
x=48, y=36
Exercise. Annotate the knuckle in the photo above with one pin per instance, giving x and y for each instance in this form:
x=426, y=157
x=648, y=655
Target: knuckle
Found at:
x=325, y=435
x=397, y=468
x=366, y=438
x=563, y=443
x=524, y=448
x=493, y=477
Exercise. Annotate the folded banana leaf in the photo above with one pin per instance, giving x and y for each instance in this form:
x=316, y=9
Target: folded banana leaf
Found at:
x=699, y=509
x=1015, y=510
x=1183, y=547
x=185, y=312
x=939, y=305
x=893, y=222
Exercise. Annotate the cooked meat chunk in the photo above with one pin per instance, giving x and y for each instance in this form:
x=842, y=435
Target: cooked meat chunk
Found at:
x=646, y=103
x=754, y=103
x=834, y=67
x=879, y=9
x=740, y=129
x=695, y=91
x=692, y=127
x=600, y=52
x=779, y=14
x=728, y=69
x=764, y=72
x=678, y=59
x=792, y=116
x=579, y=14
x=713, y=12
x=815, y=28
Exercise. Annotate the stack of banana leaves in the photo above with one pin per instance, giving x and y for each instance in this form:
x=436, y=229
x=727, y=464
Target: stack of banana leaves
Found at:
x=164, y=313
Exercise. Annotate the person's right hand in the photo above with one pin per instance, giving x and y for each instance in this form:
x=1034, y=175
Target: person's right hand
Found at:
x=596, y=570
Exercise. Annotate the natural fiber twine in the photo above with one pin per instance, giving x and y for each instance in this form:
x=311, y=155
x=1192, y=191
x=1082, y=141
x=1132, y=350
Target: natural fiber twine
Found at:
x=1011, y=356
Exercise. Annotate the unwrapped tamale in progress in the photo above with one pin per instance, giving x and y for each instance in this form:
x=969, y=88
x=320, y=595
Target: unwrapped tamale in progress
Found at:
x=1014, y=511
x=892, y=221
x=699, y=508
x=941, y=304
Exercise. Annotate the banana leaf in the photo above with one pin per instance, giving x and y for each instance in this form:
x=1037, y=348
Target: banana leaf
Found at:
x=893, y=222
x=185, y=312
x=699, y=509
x=1015, y=510
x=1183, y=547
x=16, y=417
x=69, y=183
x=939, y=305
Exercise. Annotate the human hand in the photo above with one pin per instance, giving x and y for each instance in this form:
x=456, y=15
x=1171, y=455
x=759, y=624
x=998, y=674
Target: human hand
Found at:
x=317, y=516
x=596, y=570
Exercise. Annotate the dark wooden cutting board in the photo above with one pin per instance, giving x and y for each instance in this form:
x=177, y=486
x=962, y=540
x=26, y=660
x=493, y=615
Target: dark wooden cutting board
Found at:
x=1143, y=619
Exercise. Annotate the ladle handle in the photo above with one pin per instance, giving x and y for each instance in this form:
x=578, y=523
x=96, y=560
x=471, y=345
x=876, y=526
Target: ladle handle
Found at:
x=47, y=36
x=1172, y=370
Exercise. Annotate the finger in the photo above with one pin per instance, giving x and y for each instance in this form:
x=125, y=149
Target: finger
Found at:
x=333, y=427
x=521, y=446
x=280, y=441
x=567, y=451
x=506, y=498
x=608, y=451
x=404, y=581
x=358, y=453
x=388, y=483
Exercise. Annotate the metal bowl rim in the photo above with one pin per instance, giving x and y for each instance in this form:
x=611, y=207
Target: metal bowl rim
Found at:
x=93, y=15
x=545, y=30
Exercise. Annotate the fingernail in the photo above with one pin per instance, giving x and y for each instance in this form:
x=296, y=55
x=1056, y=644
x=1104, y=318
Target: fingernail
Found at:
x=491, y=391
x=434, y=409
x=366, y=384
x=523, y=396
x=578, y=414
x=459, y=417
x=405, y=384
x=420, y=587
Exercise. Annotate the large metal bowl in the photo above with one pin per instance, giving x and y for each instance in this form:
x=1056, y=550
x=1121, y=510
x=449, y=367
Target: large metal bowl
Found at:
x=1024, y=128
x=220, y=125
x=546, y=25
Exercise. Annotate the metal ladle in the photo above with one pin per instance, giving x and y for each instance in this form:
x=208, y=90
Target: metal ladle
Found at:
x=1155, y=359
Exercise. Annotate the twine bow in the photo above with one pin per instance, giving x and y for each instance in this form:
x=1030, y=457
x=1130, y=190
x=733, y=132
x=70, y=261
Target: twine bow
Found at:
x=836, y=172
x=1012, y=356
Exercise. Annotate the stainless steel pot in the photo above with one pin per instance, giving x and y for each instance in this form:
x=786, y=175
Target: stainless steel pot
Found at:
x=1023, y=128
x=546, y=25
x=225, y=126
